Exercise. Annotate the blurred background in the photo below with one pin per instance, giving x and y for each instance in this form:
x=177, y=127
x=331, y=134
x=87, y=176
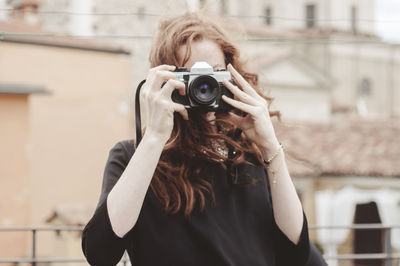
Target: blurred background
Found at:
x=69, y=69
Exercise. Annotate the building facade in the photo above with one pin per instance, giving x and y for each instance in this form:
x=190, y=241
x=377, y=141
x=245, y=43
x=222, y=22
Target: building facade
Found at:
x=64, y=103
x=330, y=50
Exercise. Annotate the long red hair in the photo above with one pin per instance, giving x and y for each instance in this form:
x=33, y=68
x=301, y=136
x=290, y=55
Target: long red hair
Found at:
x=177, y=181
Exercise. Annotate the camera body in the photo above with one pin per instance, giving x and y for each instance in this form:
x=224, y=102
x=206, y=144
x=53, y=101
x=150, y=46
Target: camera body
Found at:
x=204, y=88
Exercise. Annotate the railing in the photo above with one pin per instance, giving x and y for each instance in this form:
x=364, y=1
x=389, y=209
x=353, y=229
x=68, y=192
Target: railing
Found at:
x=33, y=259
x=388, y=254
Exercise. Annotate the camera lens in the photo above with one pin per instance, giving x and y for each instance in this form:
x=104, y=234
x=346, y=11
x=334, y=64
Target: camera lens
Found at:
x=204, y=90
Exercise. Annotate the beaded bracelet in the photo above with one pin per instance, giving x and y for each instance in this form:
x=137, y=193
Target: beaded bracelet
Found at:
x=268, y=162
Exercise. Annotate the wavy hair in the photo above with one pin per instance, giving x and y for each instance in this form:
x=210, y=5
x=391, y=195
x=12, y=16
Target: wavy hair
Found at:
x=178, y=182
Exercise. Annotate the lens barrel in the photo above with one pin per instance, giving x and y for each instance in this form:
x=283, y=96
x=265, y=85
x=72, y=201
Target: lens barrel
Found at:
x=204, y=90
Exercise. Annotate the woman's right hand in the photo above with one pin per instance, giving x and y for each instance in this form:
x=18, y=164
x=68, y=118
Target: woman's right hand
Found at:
x=158, y=106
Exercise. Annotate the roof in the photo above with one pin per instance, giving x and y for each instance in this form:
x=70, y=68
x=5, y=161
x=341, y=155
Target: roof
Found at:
x=18, y=27
x=254, y=29
x=245, y=29
x=18, y=4
x=21, y=89
x=354, y=146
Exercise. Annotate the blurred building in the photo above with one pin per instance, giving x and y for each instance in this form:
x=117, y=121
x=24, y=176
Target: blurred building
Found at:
x=320, y=59
x=329, y=49
x=347, y=172
x=64, y=102
x=15, y=193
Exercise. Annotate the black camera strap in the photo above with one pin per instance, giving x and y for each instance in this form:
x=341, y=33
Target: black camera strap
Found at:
x=138, y=119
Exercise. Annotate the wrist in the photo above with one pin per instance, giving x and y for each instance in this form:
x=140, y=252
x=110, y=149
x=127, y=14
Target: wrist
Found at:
x=268, y=148
x=155, y=138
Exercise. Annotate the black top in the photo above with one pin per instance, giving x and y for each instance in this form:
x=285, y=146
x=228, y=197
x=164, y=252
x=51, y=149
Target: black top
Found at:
x=239, y=231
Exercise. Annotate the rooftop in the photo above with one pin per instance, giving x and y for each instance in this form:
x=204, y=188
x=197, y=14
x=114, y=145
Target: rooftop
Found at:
x=355, y=146
x=22, y=89
x=17, y=27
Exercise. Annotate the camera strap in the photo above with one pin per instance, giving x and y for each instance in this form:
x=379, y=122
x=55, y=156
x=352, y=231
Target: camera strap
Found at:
x=138, y=119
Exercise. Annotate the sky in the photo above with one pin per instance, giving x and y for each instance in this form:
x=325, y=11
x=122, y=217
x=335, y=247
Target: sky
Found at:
x=388, y=10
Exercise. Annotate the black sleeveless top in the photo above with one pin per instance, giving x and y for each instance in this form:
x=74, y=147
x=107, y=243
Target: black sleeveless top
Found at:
x=239, y=231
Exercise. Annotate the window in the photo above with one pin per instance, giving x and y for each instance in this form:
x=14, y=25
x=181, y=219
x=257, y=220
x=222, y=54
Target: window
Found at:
x=354, y=15
x=365, y=87
x=310, y=16
x=224, y=6
x=141, y=12
x=268, y=15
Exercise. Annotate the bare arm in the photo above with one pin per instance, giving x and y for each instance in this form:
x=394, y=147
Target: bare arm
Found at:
x=125, y=200
x=258, y=128
x=288, y=211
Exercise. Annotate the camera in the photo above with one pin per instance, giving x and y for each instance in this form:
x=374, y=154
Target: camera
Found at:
x=204, y=88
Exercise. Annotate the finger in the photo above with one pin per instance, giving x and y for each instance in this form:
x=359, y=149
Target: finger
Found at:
x=181, y=109
x=164, y=67
x=242, y=82
x=153, y=71
x=239, y=105
x=241, y=95
x=171, y=85
x=158, y=77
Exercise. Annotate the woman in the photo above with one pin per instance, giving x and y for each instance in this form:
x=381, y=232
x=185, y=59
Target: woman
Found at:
x=178, y=198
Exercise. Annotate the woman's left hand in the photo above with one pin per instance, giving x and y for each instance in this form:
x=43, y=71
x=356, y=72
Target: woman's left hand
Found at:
x=256, y=125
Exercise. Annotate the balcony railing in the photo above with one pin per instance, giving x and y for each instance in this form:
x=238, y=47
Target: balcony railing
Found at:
x=387, y=255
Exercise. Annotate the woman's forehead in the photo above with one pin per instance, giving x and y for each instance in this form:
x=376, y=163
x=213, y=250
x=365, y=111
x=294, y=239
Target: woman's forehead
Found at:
x=203, y=50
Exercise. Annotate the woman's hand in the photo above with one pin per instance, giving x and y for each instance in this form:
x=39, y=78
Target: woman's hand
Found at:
x=257, y=123
x=158, y=106
x=257, y=126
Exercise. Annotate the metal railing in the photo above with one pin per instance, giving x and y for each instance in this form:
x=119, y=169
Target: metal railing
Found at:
x=387, y=255
x=33, y=259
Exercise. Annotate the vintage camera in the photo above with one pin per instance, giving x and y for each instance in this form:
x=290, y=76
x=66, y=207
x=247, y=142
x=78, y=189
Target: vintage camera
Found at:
x=204, y=88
